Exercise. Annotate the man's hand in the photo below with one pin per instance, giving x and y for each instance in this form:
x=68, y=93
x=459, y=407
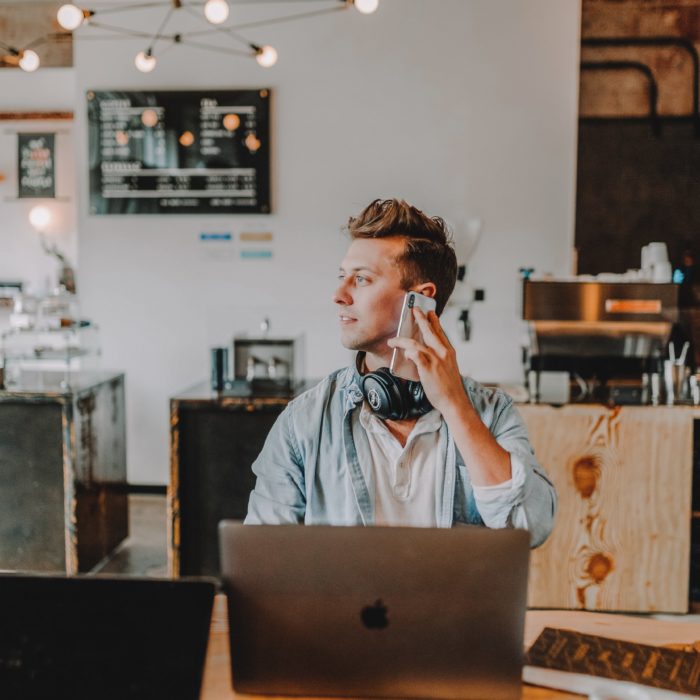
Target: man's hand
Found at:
x=436, y=362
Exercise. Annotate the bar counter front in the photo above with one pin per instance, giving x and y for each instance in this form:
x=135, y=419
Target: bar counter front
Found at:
x=628, y=504
x=626, y=508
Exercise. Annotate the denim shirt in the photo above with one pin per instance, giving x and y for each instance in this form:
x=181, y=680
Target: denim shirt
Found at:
x=308, y=470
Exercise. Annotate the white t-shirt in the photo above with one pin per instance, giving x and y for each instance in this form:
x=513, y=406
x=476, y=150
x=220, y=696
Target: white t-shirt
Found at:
x=405, y=477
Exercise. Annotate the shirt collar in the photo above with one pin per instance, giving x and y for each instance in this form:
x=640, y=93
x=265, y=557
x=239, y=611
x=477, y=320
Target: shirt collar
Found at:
x=427, y=423
x=350, y=383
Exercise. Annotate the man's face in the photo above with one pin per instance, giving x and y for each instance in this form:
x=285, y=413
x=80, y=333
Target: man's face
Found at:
x=369, y=294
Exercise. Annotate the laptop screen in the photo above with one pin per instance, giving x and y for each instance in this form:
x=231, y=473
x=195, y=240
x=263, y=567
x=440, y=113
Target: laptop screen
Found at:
x=94, y=637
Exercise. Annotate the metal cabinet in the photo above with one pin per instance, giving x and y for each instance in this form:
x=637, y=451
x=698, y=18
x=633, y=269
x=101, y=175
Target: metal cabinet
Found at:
x=214, y=441
x=63, y=492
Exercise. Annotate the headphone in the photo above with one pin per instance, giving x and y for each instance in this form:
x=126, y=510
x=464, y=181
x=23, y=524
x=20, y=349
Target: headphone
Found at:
x=392, y=397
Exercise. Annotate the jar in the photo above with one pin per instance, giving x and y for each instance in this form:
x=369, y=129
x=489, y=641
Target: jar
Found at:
x=59, y=310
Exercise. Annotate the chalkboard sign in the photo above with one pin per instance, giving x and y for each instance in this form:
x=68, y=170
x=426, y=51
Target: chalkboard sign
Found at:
x=194, y=152
x=35, y=159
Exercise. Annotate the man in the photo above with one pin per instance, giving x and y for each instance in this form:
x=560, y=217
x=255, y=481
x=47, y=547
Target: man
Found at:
x=462, y=458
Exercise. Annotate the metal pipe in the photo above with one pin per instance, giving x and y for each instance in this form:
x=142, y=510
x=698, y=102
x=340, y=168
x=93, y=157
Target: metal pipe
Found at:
x=676, y=41
x=641, y=68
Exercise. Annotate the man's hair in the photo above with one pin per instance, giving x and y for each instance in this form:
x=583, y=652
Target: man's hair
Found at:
x=428, y=255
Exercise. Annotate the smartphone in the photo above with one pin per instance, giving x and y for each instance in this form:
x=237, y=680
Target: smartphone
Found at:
x=408, y=328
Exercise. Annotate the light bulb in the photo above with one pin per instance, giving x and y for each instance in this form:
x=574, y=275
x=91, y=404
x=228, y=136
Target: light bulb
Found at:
x=40, y=217
x=186, y=138
x=149, y=117
x=231, y=122
x=29, y=61
x=145, y=61
x=266, y=56
x=70, y=17
x=216, y=11
x=366, y=7
x=252, y=142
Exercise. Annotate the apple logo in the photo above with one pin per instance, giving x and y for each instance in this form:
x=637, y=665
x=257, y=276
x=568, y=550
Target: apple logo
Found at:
x=374, y=617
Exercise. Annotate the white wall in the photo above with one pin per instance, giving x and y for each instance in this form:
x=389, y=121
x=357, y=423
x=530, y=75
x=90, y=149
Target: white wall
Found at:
x=462, y=107
x=21, y=256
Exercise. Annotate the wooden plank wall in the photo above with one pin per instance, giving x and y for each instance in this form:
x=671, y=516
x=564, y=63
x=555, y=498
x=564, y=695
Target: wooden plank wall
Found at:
x=621, y=540
x=625, y=93
x=634, y=186
x=34, y=25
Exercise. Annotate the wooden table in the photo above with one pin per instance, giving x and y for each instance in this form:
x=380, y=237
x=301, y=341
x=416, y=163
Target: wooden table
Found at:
x=217, y=676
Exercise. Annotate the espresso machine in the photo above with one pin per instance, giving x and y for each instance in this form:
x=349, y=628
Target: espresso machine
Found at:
x=268, y=366
x=610, y=337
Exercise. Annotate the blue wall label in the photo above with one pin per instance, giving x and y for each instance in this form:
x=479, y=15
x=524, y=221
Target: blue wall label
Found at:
x=215, y=237
x=256, y=253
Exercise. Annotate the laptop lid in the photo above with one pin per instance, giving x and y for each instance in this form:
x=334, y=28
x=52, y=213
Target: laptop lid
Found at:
x=376, y=611
x=101, y=637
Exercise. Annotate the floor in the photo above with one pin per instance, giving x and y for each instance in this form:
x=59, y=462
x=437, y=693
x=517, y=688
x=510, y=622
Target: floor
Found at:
x=145, y=551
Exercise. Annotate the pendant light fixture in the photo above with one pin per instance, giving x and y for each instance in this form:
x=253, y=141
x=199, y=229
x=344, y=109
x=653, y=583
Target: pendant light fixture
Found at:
x=70, y=16
x=73, y=18
x=29, y=60
x=145, y=61
x=216, y=11
x=266, y=56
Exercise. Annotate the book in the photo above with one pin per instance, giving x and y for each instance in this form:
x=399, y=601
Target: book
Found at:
x=665, y=668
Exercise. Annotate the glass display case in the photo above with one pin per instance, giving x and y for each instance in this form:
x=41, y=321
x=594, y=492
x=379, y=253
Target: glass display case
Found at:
x=66, y=349
x=48, y=334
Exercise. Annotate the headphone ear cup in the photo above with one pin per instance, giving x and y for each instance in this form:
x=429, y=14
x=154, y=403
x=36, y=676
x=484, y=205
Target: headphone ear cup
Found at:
x=386, y=394
x=418, y=400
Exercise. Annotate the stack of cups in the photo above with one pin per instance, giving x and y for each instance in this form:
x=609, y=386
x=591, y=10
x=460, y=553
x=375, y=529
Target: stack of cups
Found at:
x=676, y=382
x=694, y=388
x=677, y=377
x=655, y=264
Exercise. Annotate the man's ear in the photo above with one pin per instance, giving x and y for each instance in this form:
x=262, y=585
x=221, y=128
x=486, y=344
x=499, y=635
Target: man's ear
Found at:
x=427, y=289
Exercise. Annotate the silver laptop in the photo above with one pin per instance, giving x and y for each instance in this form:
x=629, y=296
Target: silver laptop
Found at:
x=375, y=612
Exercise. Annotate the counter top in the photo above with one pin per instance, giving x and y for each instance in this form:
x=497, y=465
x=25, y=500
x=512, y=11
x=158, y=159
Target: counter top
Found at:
x=202, y=393
x=679, y=407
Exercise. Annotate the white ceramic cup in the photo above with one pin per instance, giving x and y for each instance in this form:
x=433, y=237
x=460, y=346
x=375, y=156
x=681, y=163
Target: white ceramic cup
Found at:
x=657, y=252
x=646, y=265
x=661, y=272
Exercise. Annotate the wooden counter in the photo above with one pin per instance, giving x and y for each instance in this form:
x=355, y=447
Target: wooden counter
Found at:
x=621, y=540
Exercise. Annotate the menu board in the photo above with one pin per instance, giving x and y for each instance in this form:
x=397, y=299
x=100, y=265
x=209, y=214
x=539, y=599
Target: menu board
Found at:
x=35, y=159
x=179, y=152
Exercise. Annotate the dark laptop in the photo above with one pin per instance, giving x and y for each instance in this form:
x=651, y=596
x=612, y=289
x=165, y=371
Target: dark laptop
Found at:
x=376, y=612
x=102, y=638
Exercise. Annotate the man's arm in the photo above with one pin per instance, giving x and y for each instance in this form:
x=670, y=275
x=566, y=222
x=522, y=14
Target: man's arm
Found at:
x=528, y=499
x=490, y=453
x=487, y=461
x=436, y=362
x=279, y=495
